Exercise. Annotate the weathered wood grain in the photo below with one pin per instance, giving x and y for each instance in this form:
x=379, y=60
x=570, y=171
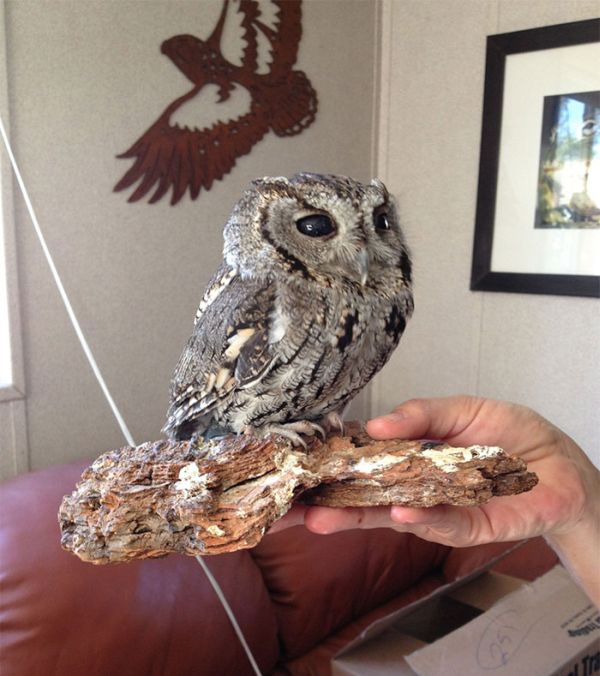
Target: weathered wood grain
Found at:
x=164, y=497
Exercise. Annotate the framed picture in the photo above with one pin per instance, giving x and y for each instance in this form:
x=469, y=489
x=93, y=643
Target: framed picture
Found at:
x=537, y=226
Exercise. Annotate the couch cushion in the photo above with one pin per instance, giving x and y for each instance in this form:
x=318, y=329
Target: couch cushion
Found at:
x=320, y=583
x=61, y=616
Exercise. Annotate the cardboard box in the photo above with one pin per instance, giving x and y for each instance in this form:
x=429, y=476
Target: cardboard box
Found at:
x=493, y=624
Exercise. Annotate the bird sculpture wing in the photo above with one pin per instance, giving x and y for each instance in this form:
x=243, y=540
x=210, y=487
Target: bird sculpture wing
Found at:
x=168, y=157
x=250, y=12
x=289, y=95
x=285, y=38
x=231, y=347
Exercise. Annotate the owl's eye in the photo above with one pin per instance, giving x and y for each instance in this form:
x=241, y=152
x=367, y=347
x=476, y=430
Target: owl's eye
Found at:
x=315, y=225
x=382, y=221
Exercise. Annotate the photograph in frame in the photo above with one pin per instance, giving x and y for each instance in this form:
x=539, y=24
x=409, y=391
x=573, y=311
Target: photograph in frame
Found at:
x=569, y=167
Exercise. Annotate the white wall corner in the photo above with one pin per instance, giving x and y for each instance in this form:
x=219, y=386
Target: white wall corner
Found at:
x=14, y=452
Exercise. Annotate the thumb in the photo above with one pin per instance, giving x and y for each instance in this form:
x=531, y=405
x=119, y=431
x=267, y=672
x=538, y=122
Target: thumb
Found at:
x=440, y=418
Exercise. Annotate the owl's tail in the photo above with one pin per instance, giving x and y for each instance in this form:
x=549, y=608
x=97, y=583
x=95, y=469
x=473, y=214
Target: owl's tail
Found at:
x=291, y=103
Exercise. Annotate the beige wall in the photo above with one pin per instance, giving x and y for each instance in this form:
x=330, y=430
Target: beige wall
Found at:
x=84, y=80
x=543, y=351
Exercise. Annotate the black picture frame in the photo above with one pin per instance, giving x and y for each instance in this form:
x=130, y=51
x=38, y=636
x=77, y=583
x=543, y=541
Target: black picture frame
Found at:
x=499, y=48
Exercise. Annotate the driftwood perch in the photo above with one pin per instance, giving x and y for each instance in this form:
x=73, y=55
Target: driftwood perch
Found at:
x=163, y=497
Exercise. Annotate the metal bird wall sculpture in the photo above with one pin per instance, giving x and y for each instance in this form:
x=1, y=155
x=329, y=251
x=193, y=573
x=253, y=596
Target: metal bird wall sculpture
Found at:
x=169, y=156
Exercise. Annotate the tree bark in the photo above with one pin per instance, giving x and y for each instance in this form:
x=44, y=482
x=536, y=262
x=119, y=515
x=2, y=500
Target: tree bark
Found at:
x=222, y=495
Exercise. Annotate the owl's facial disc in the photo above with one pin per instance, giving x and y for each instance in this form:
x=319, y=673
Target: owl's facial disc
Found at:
x=314, y=227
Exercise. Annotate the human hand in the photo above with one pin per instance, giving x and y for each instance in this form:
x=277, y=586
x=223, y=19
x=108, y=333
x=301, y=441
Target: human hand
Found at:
x=564, y=506
x=565, y=496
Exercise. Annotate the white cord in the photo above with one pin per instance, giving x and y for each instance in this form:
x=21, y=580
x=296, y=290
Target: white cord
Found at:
x=111, y=402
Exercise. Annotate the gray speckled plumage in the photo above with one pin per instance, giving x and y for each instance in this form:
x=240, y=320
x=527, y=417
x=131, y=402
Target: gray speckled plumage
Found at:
x=293, y=325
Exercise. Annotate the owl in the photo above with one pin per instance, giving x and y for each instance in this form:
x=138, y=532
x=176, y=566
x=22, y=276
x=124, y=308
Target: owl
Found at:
x=309, y=303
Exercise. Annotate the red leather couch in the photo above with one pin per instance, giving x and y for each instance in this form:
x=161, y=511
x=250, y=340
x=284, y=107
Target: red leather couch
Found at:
x=298, y=597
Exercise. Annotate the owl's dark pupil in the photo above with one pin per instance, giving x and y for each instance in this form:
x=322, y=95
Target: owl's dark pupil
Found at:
x=315, y=225
x=382, y=222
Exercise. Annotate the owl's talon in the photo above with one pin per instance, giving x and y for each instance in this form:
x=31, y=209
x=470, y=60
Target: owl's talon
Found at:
x=312, y=429
x=333, y=422
x=290, y=430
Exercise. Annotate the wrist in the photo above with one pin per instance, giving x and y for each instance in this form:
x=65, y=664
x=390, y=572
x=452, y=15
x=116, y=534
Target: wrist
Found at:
x=582, y=501
x=578, y=548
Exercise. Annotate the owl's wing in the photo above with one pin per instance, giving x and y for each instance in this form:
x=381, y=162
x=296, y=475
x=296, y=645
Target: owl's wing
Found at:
x=229, y=349
x=169, y=157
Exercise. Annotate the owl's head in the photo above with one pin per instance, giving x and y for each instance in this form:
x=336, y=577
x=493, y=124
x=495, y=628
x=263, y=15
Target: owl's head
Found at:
x=320, y=227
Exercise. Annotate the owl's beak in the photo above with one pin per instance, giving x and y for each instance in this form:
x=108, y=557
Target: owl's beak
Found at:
x=363, y=266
